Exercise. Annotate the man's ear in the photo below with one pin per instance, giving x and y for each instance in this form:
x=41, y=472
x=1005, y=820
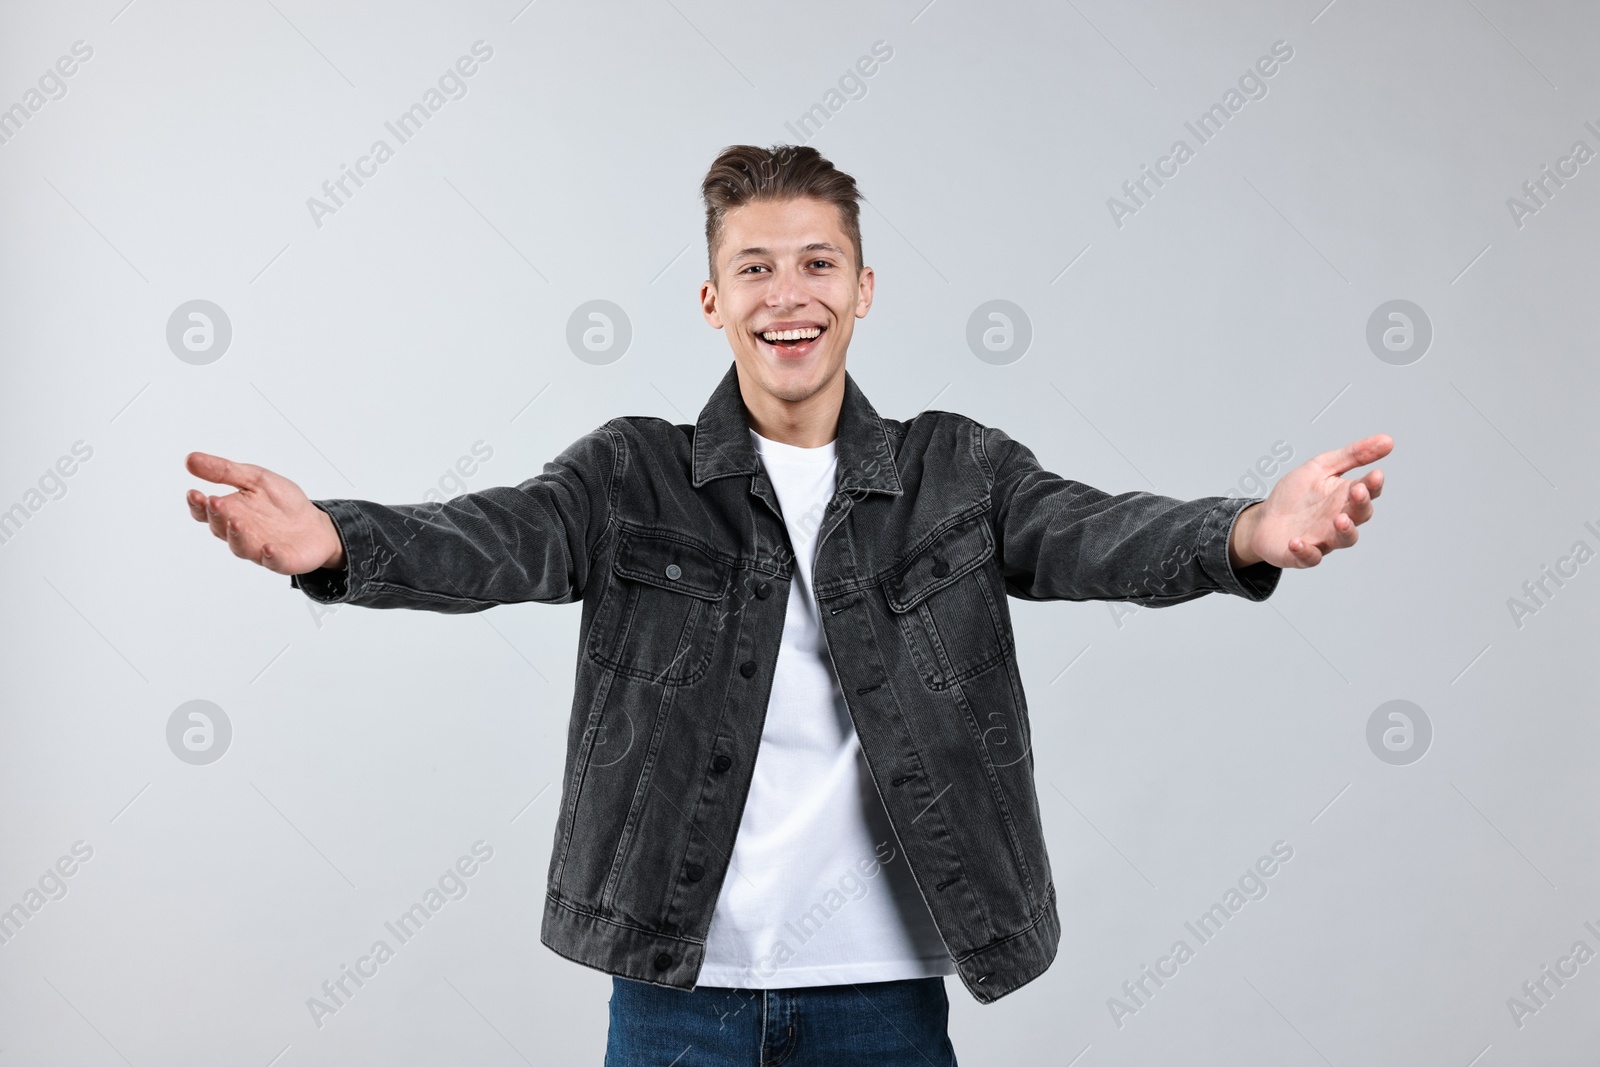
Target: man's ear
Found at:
x=708, y=304
x=864, y=288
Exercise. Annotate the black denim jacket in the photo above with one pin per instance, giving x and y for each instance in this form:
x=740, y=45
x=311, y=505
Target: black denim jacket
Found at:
x=672, y=537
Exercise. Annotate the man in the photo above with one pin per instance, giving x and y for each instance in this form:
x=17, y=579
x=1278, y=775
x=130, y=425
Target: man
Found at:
x=798, y=784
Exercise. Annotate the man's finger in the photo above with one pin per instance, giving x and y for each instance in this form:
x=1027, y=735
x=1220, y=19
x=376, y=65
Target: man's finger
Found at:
x=216, y=517
x=1356, y=453
x=197, y=504
x=1305, y=554
x=272, y=561
x=237, y=542
x=1359, y=506
x=1373, y=480
x=216, y=469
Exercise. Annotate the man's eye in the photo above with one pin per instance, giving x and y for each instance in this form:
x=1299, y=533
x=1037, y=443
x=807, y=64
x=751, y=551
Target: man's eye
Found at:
x=824, y=262
x=751, y=267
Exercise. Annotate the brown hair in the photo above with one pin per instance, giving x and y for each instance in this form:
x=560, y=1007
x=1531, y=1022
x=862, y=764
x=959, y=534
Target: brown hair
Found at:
x=742, y=173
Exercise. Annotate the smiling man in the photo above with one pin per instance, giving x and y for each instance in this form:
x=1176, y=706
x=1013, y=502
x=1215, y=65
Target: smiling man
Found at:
x=799, y=785
x=788, y=296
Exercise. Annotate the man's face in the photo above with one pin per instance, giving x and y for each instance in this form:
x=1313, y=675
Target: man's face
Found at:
x=786, y=267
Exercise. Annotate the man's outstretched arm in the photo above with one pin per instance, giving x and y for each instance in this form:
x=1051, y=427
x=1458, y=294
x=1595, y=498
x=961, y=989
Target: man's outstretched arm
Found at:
x=1060, y=539
x=530, y=542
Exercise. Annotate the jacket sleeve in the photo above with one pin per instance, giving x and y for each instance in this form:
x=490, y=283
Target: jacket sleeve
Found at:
x=1062, y=540
x=503, y=545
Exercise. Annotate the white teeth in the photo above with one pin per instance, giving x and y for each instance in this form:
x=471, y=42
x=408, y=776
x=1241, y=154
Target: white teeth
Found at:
x=792, y=335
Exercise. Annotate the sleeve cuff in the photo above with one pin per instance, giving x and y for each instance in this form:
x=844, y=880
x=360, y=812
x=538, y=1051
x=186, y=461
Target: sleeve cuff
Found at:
x=1255, y=582
x=330, y=585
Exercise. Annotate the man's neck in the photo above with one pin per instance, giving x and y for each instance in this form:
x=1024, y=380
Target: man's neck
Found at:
x=808, y=423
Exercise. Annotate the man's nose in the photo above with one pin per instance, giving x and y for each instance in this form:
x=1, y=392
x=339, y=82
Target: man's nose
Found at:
x=786, y=289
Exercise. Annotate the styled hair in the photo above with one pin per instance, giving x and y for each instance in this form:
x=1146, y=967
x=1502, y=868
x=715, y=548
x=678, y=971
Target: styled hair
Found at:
x=742, y=173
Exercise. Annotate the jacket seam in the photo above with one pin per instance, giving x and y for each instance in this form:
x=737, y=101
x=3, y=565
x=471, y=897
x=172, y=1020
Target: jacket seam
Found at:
x=666, y=533
x=567, y=820
x=840, y=587
x=641, y=798
x=597, y=917
x=374, y=585
x=921, y=765
x=618, y=456
x=996, y=790
x=1039, y=917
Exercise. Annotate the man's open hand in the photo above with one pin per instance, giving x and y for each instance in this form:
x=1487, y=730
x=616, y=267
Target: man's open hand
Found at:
x=1311, y=511
x=268, y=521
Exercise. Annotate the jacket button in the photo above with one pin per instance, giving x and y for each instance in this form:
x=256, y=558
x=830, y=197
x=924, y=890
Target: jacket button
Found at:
x=674, y=571
x=695, y=872
x=663, y=961
x=940, y=568
x=747, y=668
x=762, y=590
x=721, y=763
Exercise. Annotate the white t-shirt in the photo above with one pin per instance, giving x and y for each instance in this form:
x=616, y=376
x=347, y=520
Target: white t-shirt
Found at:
x=818, y=892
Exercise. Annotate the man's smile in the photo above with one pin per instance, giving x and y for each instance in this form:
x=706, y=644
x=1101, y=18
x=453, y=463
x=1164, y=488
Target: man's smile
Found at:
x=791, y=340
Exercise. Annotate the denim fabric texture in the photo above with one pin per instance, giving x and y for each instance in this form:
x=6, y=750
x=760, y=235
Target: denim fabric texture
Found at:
x=671, y=537
x=870, y=1024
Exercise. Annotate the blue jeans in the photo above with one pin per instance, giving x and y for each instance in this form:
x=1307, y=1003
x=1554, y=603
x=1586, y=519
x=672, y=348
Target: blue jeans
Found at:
x=885, y=1024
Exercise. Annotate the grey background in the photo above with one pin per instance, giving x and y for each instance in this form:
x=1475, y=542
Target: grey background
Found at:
x=370, y=749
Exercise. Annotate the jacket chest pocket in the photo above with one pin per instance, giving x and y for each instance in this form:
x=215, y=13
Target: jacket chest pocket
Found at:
x=943, y=602
x=660, y=613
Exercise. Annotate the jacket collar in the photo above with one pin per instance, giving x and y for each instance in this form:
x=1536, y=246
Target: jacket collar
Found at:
x=722, y=443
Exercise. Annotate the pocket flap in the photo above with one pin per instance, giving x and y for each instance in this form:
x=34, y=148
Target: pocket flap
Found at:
x=953, y=554
x=670, y=564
